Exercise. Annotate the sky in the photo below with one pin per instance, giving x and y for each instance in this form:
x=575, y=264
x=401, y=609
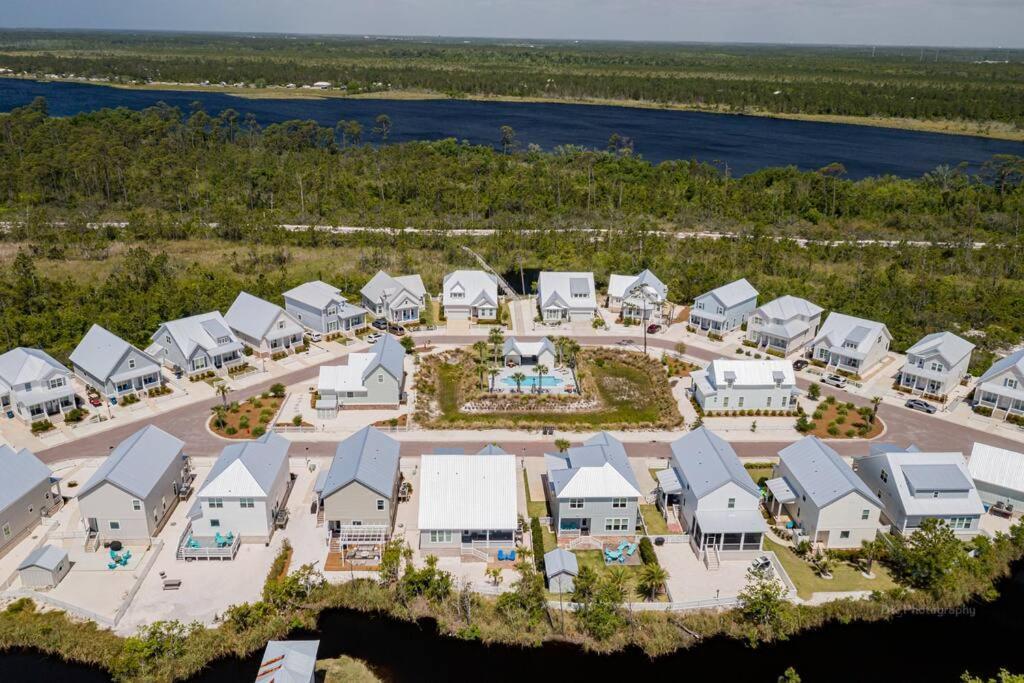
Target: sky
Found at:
x=973, y=23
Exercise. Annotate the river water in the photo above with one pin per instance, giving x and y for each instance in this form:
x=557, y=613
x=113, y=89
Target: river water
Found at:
x=741, y=143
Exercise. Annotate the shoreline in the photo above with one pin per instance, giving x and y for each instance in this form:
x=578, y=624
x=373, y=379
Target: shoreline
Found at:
x=942, y=126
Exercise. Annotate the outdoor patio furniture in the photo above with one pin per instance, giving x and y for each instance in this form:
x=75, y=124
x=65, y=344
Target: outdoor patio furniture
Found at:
x=172, y=584
x=612, y=555
x=501, y=555
x=632, y=549
x=112, y=565
x=512, y=556
x=113, y=555
x=127, y=555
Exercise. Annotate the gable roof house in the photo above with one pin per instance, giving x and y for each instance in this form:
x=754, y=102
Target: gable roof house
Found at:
x=850, y=344
x=358, y=493
x=467, y=501
x=541, y=352
x=829, y=504
x=26, y=494
x=470, y=294
x=373, y=378
x=289, y=661
x=718, y=501
x=724, y=308
x=396, y=299
x=561, y=569
x=322, y=308
x=197, y=344
x=246, y=492
x=998, y=475
x=936, y=364
x=1001, y=388
x=264, y=327
x=135, y=490
x=638, y=297
x=784, y=325
x=34, y=386
x=112, y=366
x=913, y=486
x=592, y=489
x=566, y=296
x=734, y=385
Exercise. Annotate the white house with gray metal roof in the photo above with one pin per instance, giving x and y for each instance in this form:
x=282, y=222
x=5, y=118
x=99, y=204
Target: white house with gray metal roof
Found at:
x=246, y=492
x=566, y=296
x=470, y=294
x=850, y=344
x=724, y=308
x=358, y=493
x=936, y=364
x=730, y=386
x=396, y=299
x=561, y=569
x=197, y=344
x=44, y=567
x=829, y=504
x=376, y=378
x=289, y=661
x=718, y=502
x=34, y=386
x=1001, y=388
x=27, y=493
x=134, y=491
x=112, y=366
x=264, y=327
x=467, y=503
x=592, y=490
x=541, y=352
x=322, y=308
x=998, y=474
x=913, y=486
x=637, y=297
x=784, y=325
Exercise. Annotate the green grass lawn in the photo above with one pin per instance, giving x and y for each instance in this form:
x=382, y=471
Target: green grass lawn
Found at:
x=535, y=508
x=595, y=560
x=757, y=472
x=653, y=519
x=845, y=576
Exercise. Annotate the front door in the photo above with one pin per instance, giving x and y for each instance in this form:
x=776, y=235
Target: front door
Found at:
x=467, y=538
x=585, y=526
x=94, y=526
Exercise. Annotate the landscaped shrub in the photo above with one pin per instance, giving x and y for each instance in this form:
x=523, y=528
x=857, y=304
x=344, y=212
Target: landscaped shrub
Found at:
x=739, y=351
x=230, y=431
x=537, y=534
x=247, y=350
x=75, y=415
x=982, y=410
x=647, y=553
x=277, y=390
x=41, y=426
x=259, y=430
x=297, y=420
x=278, y=355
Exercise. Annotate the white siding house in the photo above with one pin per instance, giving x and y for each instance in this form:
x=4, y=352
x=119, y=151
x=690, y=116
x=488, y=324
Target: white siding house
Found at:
x=566, y=296
x=540, y=352
x=396, y=299
x=851, y=344
x=998, y=474
x=913, y=486
x=737, y=385
x=197, y=344
x=26, y=494
x=34, y=386
x=264, y=327
x=936, y=364
x=724, y=308
x=376, y=378
x=321, y=308
x=112, y=366
x=637, y=297
x=470, y=294
x=1001, y=388
x=719, y=504
x=784, y=325
x=827, y=501
x=245, y=493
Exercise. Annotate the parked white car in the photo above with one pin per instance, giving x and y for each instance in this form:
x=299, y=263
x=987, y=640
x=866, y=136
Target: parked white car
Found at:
x=838, y=381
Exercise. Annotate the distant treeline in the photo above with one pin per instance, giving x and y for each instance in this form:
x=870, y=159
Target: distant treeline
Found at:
x=917, y=83
x=225, y=169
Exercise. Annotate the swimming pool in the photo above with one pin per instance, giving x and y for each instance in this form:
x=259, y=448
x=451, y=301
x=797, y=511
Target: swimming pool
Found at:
x=531, y=381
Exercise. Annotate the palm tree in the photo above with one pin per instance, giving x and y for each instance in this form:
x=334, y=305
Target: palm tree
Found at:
x=560, y=347
x=219, y=416
x=652, y=580
x=519, y=378
x=496, y=339
x=875, y=401
x=222, y=391
x=572, y=347
x=541, y=370
x=481, y=368
x=493, y=372
x=481, y=349
x=562, y=445
x=617, y=578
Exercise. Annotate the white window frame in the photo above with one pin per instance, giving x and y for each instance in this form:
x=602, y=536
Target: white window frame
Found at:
x=380, y=504
x=616, y=524
x=576, y=503
x=246, y=503
x=437, y=536
x=215, y=503
x=114, y=525
x=136, y=504
x=731, y=504
x=619, y=503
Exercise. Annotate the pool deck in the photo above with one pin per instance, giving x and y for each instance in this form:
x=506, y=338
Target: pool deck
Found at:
x=556, y=379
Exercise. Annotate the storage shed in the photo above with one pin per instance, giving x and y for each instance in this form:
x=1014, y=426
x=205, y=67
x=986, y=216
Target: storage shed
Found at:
x=44, y=567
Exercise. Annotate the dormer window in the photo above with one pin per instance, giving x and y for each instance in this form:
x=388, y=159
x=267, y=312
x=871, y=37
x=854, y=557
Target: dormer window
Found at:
x=223, y=340
x=56, y=382
x=936, y=367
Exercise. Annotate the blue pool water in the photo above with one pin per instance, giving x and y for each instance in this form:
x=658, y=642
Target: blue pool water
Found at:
x=531, y=381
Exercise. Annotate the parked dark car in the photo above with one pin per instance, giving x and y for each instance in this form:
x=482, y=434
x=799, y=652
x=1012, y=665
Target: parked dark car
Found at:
x=380, y=324
x=397, y=330
x=653, y=328
x=923, y=406
x=800, y=364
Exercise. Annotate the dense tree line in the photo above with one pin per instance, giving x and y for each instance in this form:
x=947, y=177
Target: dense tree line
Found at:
x=898, y=82
x=227, y=170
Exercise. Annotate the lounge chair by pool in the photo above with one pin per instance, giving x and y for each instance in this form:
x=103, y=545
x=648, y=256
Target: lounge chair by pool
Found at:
x=501, y=555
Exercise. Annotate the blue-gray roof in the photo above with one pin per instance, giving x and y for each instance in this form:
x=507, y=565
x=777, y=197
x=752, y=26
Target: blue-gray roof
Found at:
x=560, y=561
x=288, y=661
x=22, y=472
x=821, y=472
x=936, y=477
x=492, y=449
x=449, y=450
x=262, y=457
x=390, y=356
x=253, y=316
x=139, y=462
x=370, y=457
x=100, y=351
x=707, y=462
x=46, y=557
x=1001, y=366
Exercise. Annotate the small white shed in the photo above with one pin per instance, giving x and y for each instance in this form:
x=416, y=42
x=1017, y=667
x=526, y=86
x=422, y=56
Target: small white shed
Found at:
x=561, y=569
x=44, y=567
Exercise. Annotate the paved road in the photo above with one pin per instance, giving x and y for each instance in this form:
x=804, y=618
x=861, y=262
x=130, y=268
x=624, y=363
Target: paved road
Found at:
x=189, y=423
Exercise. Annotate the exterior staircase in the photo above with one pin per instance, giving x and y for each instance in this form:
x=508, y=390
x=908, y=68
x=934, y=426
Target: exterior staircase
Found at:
x=711, y=559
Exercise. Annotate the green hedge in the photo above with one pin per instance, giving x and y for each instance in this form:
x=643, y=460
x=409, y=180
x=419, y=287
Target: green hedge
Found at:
x=647, y=553
x=538, y=544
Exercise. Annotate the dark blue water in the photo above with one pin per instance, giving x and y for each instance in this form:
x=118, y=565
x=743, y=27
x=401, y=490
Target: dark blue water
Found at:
x=743, y=143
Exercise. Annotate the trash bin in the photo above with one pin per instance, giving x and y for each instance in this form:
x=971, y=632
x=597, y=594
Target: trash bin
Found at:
x=659, y=541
